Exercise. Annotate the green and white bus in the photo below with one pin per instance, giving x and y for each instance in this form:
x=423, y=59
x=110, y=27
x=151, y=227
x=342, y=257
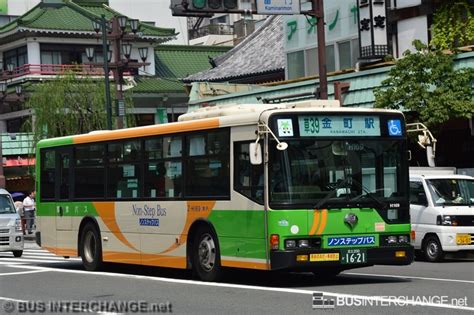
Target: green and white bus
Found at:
x=302, y=186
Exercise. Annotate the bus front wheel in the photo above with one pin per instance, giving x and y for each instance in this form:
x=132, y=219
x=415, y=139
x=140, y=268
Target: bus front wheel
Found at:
x=91, y=248
x=205, y=256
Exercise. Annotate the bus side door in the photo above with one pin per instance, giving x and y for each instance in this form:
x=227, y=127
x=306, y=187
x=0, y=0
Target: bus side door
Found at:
x=63, y=189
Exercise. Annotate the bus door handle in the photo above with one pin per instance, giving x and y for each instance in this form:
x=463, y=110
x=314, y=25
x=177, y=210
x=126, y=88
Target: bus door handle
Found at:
x=60, y=211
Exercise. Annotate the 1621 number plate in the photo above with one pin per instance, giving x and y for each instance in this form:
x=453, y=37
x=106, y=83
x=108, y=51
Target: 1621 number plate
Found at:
x=353, y=256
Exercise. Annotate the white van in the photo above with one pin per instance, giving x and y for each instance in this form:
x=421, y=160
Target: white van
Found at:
x=442, y=213
x=11, y=232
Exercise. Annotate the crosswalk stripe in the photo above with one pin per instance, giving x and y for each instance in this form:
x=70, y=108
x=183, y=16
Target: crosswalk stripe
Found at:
x=9, y=260
x=35, y=256
x=51, y=257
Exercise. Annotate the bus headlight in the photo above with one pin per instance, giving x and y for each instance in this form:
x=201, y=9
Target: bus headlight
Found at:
x=303, y=243
x=290, y=243
x=391, y=239
x=403, y=239
x=18, y=227
x=395, y=239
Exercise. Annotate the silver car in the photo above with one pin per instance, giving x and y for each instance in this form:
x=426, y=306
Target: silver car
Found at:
x=11, y=232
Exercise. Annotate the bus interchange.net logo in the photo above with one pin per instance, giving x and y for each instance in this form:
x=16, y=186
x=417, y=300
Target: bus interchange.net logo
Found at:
x=320, y=302
x=77, y=306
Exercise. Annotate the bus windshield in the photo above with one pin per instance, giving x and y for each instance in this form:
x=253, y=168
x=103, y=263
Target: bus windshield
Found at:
x=337, y=173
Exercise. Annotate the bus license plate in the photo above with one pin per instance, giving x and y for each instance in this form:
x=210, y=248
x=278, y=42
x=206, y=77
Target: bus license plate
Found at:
x=324, y=257
x=353, y=256
x=463, y=239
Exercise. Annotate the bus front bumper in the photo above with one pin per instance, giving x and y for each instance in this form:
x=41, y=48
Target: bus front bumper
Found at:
x=295, y=259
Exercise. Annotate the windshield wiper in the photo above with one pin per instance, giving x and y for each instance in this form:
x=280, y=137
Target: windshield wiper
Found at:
x=380, y=203
x=331, y=193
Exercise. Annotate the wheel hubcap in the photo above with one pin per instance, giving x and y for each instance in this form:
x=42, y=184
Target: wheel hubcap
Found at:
x=432, y=249
x=89, y=247
x=207, y=252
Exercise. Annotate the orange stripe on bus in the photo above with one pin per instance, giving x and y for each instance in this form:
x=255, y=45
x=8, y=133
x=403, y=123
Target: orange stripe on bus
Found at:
x=195, y=210
x=106, y=211
x=148, y=130
x=62, y=251
x=324, y=218
x=314, y=227
x=244, y=264
x=145, y=259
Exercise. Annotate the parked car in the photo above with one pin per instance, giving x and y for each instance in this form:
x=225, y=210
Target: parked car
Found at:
x=11, y=231
x=442, y=212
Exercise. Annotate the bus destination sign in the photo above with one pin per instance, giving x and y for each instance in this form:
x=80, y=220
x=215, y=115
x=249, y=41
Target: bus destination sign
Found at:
x=336, y=126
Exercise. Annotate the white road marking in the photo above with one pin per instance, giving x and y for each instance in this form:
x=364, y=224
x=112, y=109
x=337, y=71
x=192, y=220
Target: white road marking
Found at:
x=393, y=301
x=21, y=272
x=27, y=260
x=36, y=256
x=38, y=253
x=407, y=277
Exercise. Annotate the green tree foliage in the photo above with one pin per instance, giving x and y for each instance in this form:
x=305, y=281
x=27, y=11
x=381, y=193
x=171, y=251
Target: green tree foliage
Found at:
x=67, y=105
x=426, y=82
x=453, y=25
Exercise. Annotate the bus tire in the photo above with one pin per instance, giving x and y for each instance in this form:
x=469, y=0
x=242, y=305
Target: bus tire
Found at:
x=206, y=260
x=17, y=253
x=432, y=249
x=91, y=248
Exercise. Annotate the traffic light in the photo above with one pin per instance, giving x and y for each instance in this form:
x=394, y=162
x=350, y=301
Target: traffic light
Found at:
x=179, y=8
x=214, y=5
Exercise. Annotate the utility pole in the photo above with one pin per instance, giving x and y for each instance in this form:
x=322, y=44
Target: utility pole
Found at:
x=105, y=49
x=318, y=11
x=2, y=177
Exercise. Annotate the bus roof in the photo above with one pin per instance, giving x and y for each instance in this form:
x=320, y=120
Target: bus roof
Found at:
x=240, y=109
x=205, y=118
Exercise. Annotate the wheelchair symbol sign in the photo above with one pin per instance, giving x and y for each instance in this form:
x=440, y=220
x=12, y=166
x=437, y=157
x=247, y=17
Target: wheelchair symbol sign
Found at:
x=394, y=127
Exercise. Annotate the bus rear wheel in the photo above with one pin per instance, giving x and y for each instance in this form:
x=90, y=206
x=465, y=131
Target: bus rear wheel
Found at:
x=205, y=256
x=91, y=248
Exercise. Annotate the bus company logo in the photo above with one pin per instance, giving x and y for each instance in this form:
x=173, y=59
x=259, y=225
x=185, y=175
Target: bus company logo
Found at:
x=320, y=302
x=351, y=219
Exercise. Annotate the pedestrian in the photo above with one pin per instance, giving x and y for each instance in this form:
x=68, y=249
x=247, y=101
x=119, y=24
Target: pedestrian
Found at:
x=29, y=208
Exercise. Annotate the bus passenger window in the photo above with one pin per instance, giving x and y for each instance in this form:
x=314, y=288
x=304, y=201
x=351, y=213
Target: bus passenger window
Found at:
x=163, y=179
x=207, y=166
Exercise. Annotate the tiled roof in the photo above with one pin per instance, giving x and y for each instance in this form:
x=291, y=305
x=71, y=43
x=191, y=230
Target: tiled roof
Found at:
x=174, y=62
x=69, y=17
x=157, y=85
x=250, y=57
x=177, y=61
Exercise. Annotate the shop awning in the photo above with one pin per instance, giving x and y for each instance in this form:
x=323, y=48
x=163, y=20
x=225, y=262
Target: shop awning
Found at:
x=18, y=161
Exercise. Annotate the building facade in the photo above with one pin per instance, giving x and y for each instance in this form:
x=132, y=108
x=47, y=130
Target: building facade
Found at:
x=354, y=60
x=52, y=38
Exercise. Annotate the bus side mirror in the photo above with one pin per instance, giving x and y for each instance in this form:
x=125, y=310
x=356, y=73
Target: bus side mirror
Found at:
x=255, y=154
